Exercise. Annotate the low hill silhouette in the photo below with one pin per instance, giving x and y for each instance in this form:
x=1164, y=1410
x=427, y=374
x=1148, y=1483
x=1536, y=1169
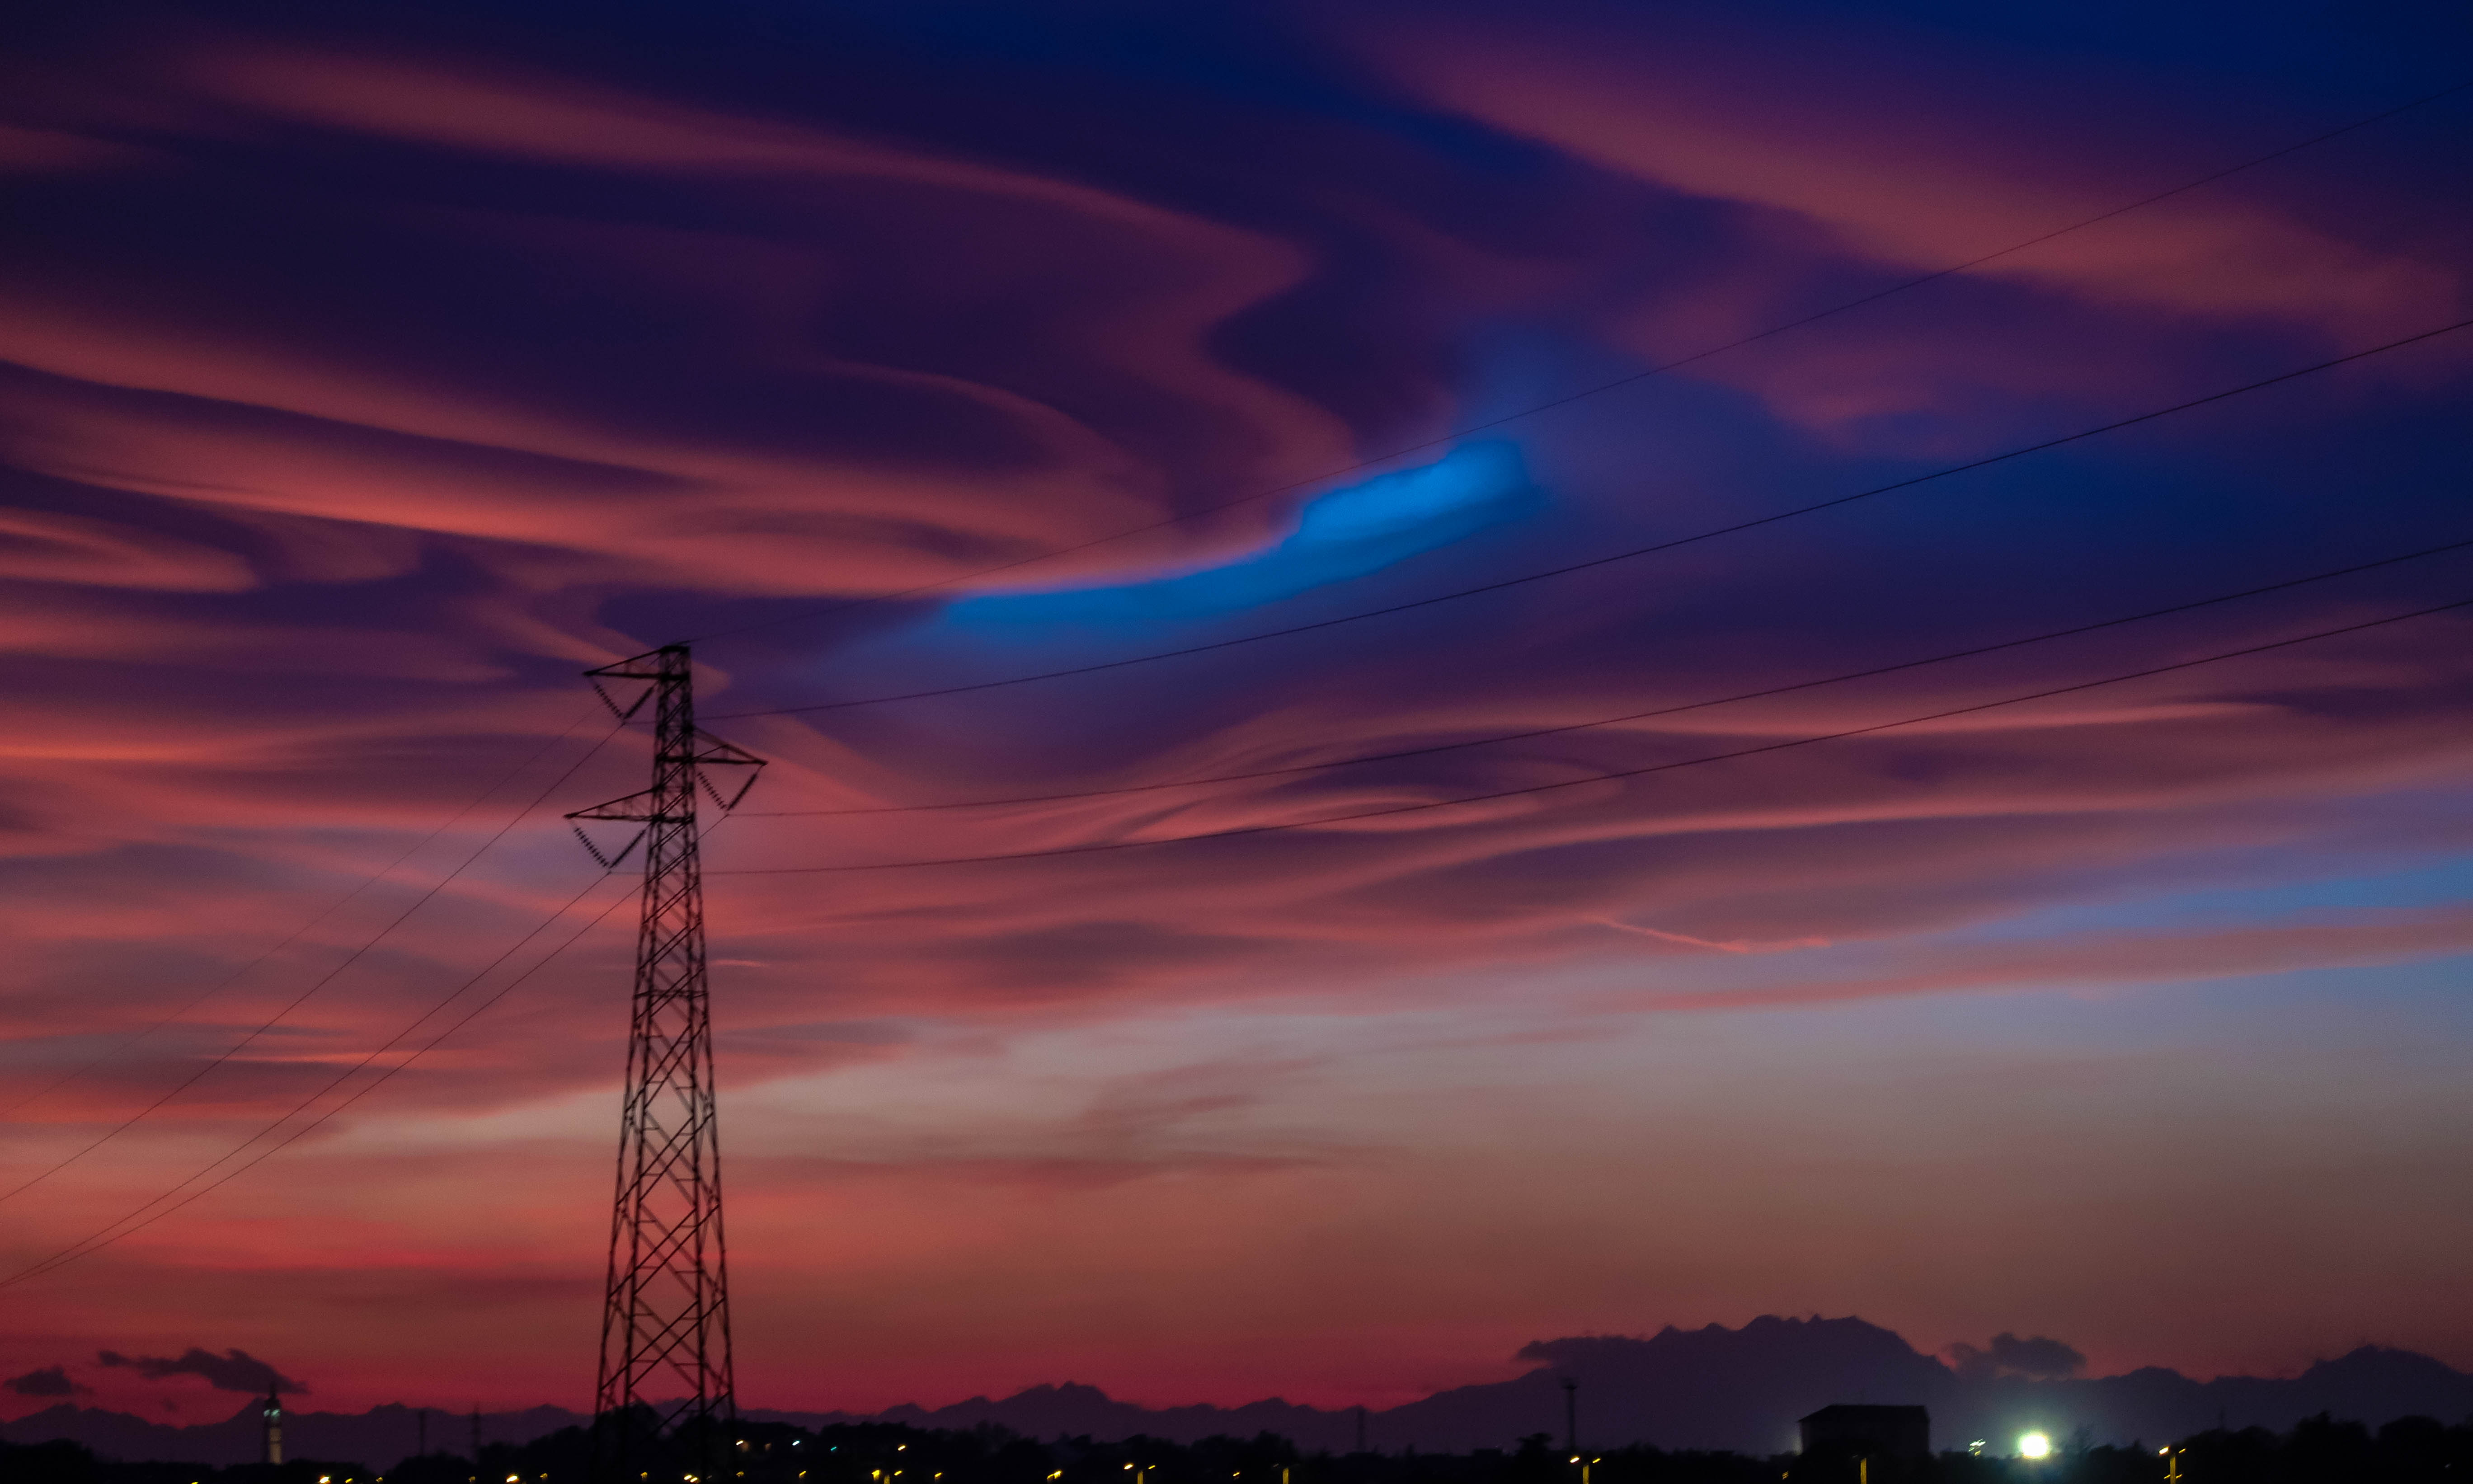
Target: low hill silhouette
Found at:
x=1709, y=1388
x=378, y=1437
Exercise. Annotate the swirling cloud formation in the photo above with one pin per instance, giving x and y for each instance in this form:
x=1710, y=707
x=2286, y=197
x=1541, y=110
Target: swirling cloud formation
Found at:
x=364, y=377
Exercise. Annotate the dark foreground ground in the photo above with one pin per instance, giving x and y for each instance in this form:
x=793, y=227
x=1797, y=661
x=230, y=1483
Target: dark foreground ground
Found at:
x=2409, y=1450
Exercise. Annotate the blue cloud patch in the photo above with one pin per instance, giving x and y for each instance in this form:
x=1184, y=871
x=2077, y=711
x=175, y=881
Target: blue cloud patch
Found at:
x=1344, y=534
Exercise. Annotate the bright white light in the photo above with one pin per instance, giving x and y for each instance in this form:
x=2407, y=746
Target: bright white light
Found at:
x=2034, y=1445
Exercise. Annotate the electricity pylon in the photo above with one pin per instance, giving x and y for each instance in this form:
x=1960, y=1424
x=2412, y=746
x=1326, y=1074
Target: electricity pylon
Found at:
x=666, y=1399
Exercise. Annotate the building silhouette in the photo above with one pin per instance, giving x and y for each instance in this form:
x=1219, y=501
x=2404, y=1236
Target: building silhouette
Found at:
x=1899, y=1435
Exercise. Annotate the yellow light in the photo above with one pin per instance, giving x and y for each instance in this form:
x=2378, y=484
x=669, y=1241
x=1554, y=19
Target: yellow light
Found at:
x=2034, y=1445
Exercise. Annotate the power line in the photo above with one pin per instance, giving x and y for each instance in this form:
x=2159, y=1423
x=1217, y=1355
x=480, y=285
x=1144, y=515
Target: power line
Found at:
x=1631, y=716
x=105, y=1235
x=340, y=903
x=1651, y=549
x=137, y=1220
x=1595, y=777
x=354, y=957
x=108, y=1235
x=1662, y=368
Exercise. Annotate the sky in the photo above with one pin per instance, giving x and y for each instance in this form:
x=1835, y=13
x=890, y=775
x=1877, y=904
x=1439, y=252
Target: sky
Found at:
x=369, y=371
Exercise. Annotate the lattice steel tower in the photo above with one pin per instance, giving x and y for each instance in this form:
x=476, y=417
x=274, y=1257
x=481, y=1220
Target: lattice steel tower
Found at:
x=666, y=1396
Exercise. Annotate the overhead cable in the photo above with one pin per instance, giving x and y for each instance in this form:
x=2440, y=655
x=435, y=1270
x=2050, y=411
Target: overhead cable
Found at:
x=1629, y=716
x=297, y=933
x=147, y=1213
x=1594, y=778
x=329, y=977
x=1654, y=547
x=1423, y=446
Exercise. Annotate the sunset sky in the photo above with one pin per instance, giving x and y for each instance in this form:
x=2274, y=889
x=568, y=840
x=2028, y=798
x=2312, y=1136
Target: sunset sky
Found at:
x=369, y=371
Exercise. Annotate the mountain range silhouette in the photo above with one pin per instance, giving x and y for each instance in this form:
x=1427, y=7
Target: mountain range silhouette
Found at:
x=1739, y=1389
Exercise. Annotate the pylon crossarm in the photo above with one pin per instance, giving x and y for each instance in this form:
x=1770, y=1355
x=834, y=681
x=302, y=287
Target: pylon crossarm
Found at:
x=630, y=808
x=717, y=754
x=706, y=748
x=625, y=669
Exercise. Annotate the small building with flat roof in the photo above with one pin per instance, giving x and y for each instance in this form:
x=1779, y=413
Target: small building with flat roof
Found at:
x=1903, y=1433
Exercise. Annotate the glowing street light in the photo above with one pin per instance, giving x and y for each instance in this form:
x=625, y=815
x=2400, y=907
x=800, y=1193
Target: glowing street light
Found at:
x=2035, y=1447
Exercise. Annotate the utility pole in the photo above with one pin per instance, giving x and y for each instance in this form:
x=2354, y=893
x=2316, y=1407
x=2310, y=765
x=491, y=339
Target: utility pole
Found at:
x=666, y=1390
x=1360, y=1429
x=476, y=1439
x=1571, y=1418
x=422, y=1450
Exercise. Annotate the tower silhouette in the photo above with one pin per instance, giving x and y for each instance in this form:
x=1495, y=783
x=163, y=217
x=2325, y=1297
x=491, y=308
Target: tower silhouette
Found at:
x=665, y=1396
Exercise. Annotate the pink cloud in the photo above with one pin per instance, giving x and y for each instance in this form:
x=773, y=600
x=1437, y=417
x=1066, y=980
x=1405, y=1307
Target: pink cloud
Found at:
x=1964, y=161
x=1854, y=140
x=322, y=491
x=2349, y=941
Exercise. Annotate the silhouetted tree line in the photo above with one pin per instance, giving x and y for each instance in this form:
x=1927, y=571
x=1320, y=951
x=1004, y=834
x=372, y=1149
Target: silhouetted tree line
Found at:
x=2320, y=1451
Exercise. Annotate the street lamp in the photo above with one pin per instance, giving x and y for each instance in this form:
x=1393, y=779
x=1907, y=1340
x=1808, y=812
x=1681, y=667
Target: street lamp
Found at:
x=2036, y=1446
